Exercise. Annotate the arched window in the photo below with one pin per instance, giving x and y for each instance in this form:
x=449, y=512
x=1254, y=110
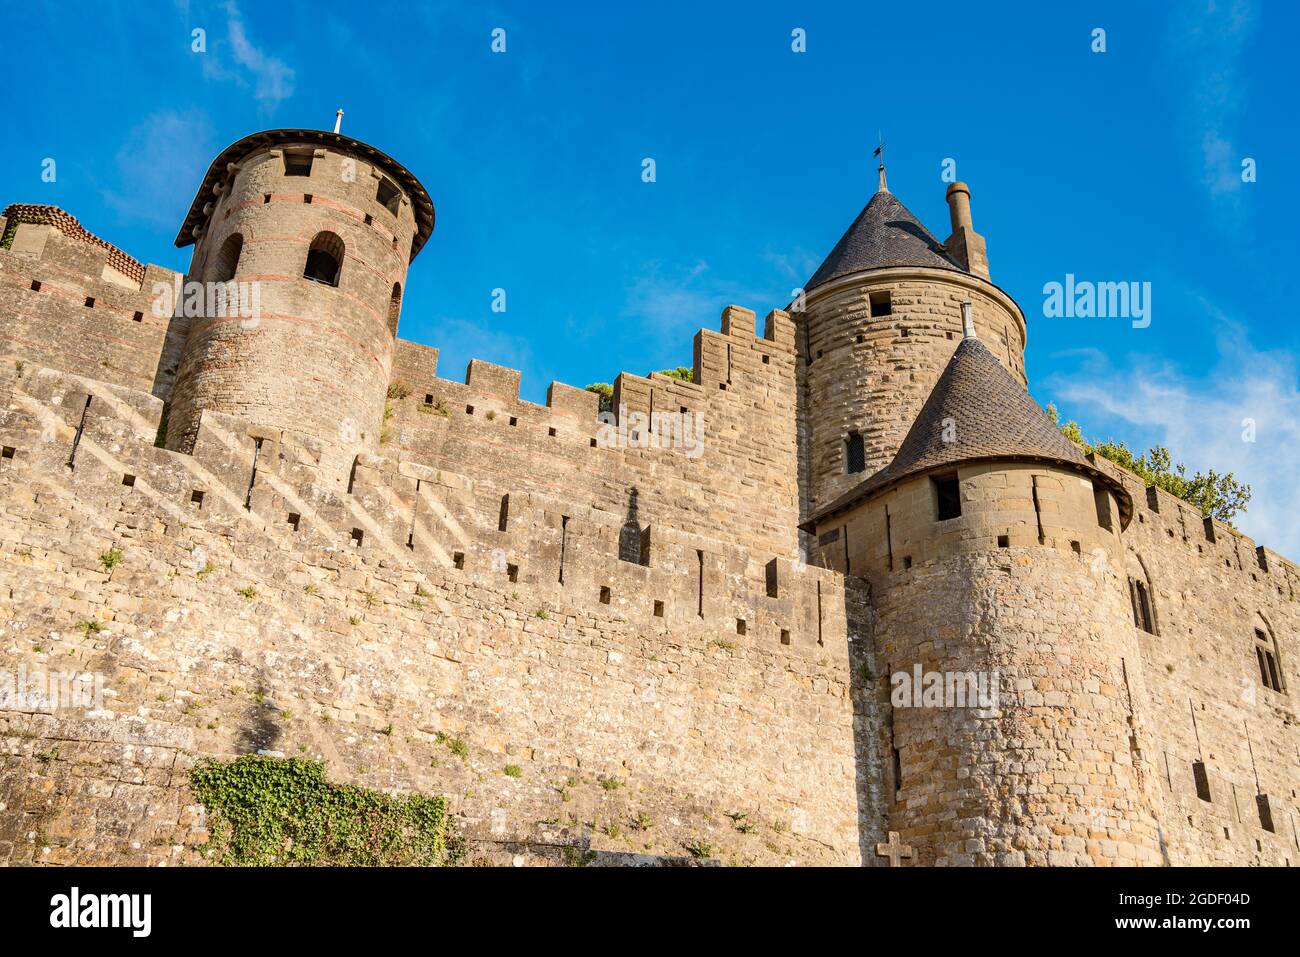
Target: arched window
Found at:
x=394, y=308
x=855, y=453
x=324, y=259
x=226, y=263
x=1270, y=669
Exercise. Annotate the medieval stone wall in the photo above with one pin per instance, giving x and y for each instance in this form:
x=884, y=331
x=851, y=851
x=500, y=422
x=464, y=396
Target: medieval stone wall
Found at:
x=412, y=636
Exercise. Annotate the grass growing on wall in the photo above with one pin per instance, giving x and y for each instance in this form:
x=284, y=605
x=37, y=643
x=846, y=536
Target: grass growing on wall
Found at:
x=265, y=811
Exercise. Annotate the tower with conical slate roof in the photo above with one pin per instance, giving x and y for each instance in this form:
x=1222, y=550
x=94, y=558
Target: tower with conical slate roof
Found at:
x=880, y=319
x=993, y=550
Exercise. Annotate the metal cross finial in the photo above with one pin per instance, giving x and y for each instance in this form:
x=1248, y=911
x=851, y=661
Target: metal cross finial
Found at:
x=879, y=152
x=894, y=850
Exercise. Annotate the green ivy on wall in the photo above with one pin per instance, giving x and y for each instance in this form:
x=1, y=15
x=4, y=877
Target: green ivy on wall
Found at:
x=265, y=811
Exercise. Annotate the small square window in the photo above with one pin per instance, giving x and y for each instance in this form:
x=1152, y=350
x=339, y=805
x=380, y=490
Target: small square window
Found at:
x=428, y=399
x=370, y=220
x=388, y=196
x=90, y=302
x=1004, y=541
x=659, y=609
x=7, y=452
x=307, y=198
x=358, y=536
x=551, y=432
x=128, y=481
x=785, y=636
x=604, y=594
x=138, y=317
x=593, y=443
x=297, y=164
x=767, y=360
x=512, y=572
x=36, y=286
x=294, y=520
x=881, y=303
x=740, y=626
x=196, y=498
x=469, y=410
x=513, y=420
x=458, y=559
x=266, y=198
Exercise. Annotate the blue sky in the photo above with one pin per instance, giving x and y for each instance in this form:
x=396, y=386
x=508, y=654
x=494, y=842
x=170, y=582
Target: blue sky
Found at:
x=1115, y=166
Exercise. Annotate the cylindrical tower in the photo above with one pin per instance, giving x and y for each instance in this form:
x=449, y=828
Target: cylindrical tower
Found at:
x=881, y=317
x=1002, y=632
x=315, y=230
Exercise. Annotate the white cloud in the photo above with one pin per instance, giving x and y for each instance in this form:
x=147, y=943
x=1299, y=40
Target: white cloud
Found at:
x=158, y=166
x=1202, y=422
x=234, y=58
x=1205, y=55
x=272, y=78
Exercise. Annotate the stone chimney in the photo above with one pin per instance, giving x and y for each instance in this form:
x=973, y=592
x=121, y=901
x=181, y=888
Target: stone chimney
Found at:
x=965, y=245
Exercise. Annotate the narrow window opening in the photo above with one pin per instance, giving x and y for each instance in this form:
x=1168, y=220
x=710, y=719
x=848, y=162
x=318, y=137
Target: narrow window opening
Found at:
x=659, y=609
x=503, y=518
x=785, y=636
x=947, y=497
x=1265, y=813
x=699, y=555
x=1202, y=780
x=388, y=196
x=767, y=360
x=773, y=588
x=394, y=308
x=604, y=594
x=358, y=536
x=855, y=454
x=1101, y=499
x=458, y=560
x=512, y=572
x=297, y=164
x=428, y=399
x=513, y=420
x=469, y=410
x=741, y=627
x=898, y=773
x=293, y=521
x=881, y=303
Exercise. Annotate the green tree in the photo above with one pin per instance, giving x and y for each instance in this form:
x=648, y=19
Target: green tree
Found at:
x=606, y=393
x=1216, y=495
x=684, y=373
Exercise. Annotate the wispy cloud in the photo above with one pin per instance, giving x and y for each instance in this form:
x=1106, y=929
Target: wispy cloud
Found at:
x=1205, y=422
x=235, y=58
x=158, y=165
x=1206, y=46
x=671, y=303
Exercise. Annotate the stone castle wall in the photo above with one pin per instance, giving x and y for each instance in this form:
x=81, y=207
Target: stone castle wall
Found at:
x=258, y=608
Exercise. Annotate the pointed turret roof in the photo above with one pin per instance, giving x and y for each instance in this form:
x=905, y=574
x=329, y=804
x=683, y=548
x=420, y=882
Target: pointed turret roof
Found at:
x=976, y=411
x=884, y=234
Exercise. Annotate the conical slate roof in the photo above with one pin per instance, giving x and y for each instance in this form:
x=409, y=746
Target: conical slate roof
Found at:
x=983, y=413
x=884, y=234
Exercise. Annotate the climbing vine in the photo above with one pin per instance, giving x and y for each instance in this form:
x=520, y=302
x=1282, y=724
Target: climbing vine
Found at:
x=265, y=811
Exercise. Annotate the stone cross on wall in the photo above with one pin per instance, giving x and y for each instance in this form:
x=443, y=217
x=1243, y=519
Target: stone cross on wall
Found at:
x=894, y=850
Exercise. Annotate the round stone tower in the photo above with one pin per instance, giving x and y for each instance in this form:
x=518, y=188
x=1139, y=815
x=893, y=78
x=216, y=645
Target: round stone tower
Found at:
x=1003, y=637
x=881, y=317
x=301, y=242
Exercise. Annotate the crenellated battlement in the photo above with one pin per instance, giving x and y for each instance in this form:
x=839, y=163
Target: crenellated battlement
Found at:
x=434, y=521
